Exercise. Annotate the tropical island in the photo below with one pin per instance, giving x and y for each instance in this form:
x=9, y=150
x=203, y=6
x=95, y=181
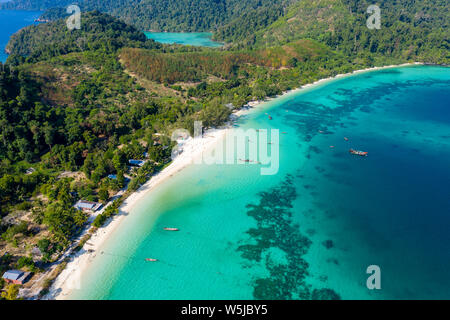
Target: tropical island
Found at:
x=86, y=115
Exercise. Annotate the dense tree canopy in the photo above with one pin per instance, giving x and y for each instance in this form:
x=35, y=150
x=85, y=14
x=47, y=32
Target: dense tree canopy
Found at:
x=75, y=106
x=159, y=15
x=409, y=29
x=98, y=31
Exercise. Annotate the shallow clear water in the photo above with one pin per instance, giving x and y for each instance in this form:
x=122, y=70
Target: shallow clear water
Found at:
x=12, y=21
x=185, y=38
x=317, y=224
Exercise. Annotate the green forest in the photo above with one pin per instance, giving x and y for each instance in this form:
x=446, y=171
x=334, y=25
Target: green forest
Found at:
x=77, y=105
x=158, y=15
x=98, y=31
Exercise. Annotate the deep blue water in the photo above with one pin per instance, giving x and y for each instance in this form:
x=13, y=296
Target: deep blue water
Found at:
x=12, y=21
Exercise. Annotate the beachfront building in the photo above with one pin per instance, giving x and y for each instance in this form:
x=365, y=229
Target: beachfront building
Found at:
x=136, y=163
x=87, y=205
x=15, y=276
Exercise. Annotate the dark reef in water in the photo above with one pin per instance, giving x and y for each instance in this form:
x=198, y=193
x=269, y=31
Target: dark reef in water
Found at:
x=311, y=118
x=275, y=232
x=328, y=244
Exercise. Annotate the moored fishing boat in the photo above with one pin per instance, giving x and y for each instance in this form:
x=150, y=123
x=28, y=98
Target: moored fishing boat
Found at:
x=359, y=153
x=150, y=259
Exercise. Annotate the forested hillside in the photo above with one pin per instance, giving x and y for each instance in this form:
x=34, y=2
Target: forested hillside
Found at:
x=409, y=29
x=198, y=66
x=98, y=31
x=76, y=105
x=67, y=121
x=34, y=4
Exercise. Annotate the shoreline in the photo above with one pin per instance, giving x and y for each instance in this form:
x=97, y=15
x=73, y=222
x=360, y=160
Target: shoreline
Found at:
x=193, y=148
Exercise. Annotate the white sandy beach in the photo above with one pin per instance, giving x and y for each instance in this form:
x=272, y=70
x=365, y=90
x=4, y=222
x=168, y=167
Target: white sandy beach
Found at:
x=192, y=149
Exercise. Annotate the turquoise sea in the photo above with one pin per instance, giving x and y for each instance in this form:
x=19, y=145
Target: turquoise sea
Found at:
x=311, y=230
x=12, y=21
x=184, y=38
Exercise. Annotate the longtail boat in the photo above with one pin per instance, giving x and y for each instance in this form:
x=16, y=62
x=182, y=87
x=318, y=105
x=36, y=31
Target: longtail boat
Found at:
x=171, y=229
x=359, y=153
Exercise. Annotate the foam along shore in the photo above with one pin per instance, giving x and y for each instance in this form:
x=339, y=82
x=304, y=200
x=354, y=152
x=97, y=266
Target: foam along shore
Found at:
x=193, y=149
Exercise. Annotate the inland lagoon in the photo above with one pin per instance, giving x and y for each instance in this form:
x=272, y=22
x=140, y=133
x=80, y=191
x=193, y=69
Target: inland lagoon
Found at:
x=311, y=230
x=185, y=38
